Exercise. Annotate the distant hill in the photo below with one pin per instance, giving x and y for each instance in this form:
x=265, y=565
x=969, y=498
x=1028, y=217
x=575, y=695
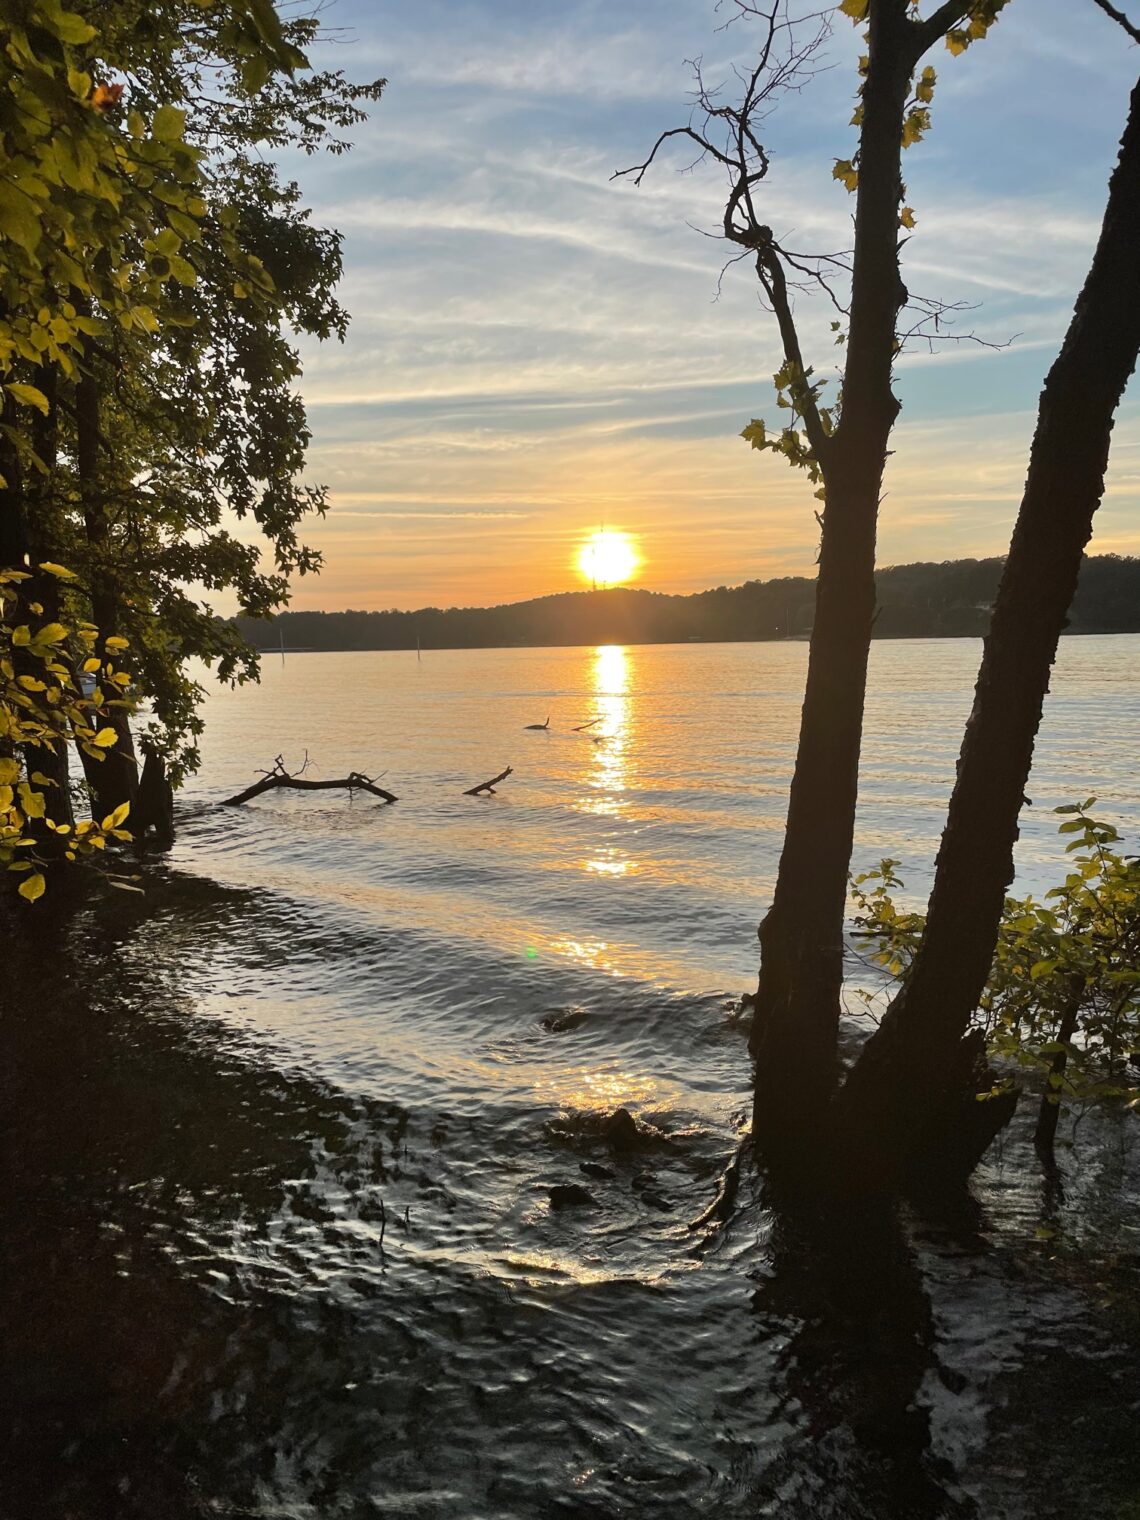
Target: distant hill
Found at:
x=951, y=599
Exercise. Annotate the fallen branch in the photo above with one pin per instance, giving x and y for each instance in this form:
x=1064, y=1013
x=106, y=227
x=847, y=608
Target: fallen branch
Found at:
x=488, y=786
x=280, y=777
x=720, y=1210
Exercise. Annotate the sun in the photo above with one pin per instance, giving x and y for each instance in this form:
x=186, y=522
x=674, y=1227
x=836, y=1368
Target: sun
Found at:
x=608, y=557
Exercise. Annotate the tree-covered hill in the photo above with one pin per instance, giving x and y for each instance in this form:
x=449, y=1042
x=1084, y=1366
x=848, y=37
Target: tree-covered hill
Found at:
x=951, y=599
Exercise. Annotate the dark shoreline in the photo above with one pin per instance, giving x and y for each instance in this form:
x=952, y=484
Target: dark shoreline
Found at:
x=922, y=601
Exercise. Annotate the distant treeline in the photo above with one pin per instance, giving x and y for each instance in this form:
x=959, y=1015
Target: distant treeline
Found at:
x=915, y=601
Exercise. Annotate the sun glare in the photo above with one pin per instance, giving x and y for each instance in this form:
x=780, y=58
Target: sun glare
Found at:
x=608, y=558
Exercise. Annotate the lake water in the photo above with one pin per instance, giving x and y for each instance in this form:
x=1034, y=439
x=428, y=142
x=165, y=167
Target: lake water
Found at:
x=311, y=1091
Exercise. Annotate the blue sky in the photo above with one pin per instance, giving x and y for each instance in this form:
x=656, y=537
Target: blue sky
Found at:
x=536, y=348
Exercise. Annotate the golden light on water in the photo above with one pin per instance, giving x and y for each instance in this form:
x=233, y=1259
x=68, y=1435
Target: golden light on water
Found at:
x=608, y=557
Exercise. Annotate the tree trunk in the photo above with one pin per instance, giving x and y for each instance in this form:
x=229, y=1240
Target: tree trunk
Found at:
x=154, y=813
x=45, y=589
x=1045, y=1135
x=795, y=1030
x=910, y=1098
x=115, y=779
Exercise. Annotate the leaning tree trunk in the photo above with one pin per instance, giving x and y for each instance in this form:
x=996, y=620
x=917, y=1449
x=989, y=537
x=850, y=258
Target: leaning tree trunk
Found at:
x=795, y=1030
x=912, y=1095
x=115, y=779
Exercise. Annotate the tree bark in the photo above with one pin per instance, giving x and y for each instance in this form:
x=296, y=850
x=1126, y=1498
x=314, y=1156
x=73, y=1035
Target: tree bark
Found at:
x=910, y=1099
x=115, y=779
x=45, y=589
x=795, y=1030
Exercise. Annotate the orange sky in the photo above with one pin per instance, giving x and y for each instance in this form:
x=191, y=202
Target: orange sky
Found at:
x=537, y=349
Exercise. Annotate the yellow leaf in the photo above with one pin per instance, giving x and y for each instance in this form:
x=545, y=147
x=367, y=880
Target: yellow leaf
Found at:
x=846, y=173
x=856, y=9
x=31, y=802
x=9, y=770
x=33, y=888
x=105, y=738
x=116, y=642
x=906, y=217
x=28, y=395
x=50, y=633
x=60, y=570
x=113, y=820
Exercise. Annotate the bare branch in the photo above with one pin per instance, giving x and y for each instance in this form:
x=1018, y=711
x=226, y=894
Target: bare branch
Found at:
x=1120, y=18
x=489, y=786
x=935, y=321
x=638, y=170
x=278, y=776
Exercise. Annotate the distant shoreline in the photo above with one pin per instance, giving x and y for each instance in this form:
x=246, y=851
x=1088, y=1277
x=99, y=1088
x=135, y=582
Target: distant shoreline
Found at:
x=896, y=638
x=919, y=601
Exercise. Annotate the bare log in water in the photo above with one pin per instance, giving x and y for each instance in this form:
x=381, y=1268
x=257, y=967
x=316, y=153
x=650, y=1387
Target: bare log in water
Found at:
x=489, y=786
x=280, y=777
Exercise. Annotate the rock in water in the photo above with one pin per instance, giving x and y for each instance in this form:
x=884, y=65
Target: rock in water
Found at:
x=620, y=1131
x=571, y=1195
x=595, y=1169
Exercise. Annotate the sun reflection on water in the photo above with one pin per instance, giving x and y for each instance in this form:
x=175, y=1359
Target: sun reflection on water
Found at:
x=607, y=775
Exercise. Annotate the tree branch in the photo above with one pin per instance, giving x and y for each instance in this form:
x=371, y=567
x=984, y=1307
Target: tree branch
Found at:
x=1120, y=17
x=927, y=33
x=770, y=273
x=488, y=786
x=280, y=777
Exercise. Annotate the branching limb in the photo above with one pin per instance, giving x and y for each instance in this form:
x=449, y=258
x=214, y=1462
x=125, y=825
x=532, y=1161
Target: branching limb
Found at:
x=278, y=777
x=934, y=28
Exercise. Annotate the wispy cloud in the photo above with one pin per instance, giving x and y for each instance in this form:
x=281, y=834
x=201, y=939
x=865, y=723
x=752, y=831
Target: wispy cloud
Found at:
x=536, y=347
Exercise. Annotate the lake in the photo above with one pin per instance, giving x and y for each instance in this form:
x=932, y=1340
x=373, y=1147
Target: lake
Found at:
x=285, y=1126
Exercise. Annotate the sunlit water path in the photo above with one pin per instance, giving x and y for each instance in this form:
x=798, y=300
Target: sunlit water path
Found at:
x=320, y=1081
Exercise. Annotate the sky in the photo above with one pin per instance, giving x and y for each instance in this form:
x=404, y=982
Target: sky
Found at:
x=537, y=349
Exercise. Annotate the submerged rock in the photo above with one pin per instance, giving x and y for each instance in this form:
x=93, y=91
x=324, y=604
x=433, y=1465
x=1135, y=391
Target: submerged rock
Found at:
x=595, y=1169
x=565, y=1019
x=571, y=1195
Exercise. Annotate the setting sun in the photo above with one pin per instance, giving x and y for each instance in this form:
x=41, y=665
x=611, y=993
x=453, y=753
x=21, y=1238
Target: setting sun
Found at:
x=608, y=558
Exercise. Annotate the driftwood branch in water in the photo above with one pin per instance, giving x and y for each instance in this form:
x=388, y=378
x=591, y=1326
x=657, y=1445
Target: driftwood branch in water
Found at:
x=488, y=786
x=280, y=777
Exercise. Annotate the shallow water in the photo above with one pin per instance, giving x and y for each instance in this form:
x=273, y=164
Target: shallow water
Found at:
x=283, y=1130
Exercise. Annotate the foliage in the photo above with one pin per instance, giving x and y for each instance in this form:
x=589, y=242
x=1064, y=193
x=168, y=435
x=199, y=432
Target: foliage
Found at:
x=42, y=708
x=795, y=389
x=1063, y=995
x=152, y=261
